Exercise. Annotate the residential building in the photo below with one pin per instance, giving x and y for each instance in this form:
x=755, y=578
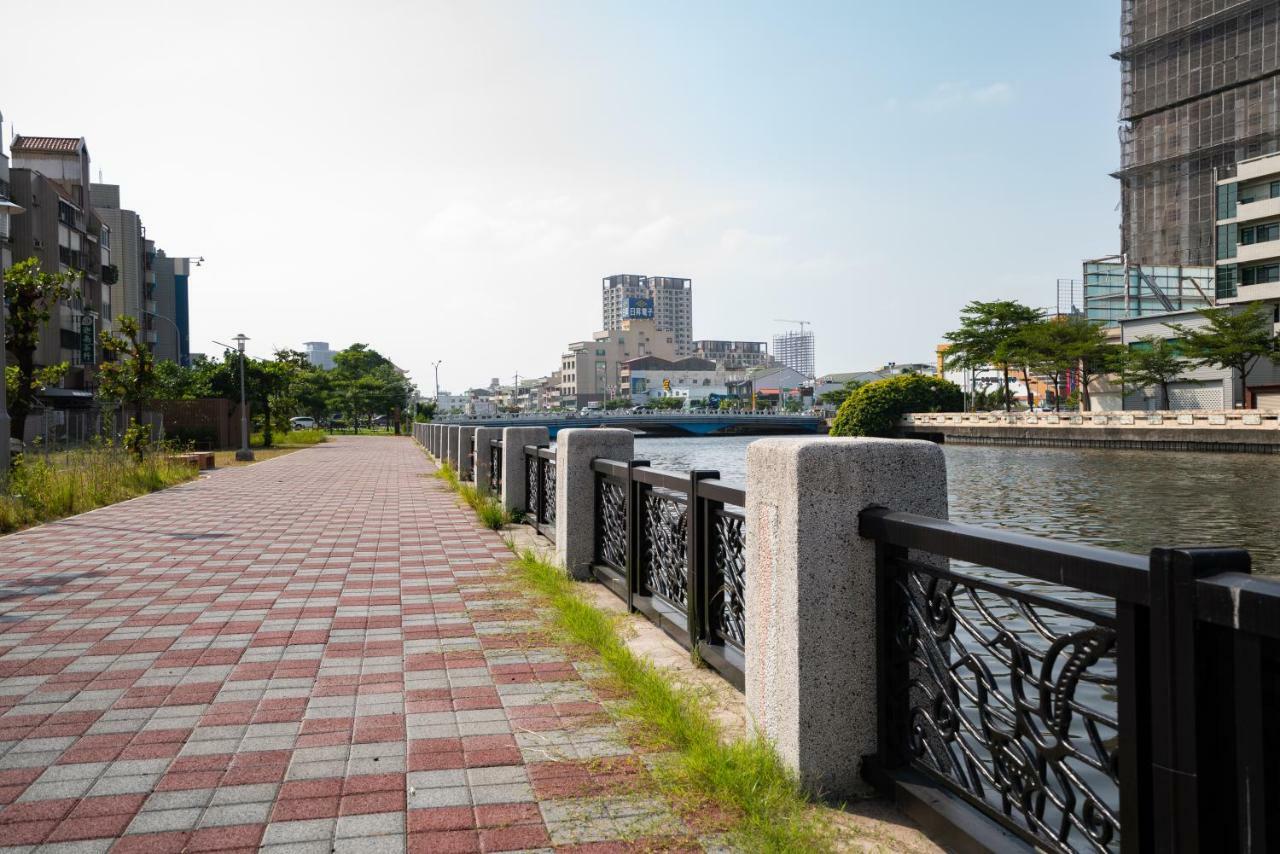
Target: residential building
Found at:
x=650, y=377
x=733, y=355
x=795, y=350
x=128, y=239
x=592, y=370
x=50, y=178
x=770, y=387
x=6, y=254
x=666, y=300
x=161, y=307
x=1199, y=94
x=319, y=353
x=1114, y=290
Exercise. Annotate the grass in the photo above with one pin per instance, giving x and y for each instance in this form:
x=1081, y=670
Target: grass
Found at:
x=488, y=508
x=282, y=443
x=291, y=437
x=46, y=487
x=744, y=779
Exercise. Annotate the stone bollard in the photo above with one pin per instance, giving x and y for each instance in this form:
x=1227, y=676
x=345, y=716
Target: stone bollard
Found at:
x=811, y=593
x=484, y=456
x=576, y=491
x=462, y=453
x=450, y=444
x=432, y=434
x=513, y=441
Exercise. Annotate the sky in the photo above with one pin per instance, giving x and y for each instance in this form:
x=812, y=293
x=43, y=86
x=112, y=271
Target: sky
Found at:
x=451, y=181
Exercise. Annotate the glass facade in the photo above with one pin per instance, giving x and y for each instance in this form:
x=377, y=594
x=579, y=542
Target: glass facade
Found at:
x=1113, y=291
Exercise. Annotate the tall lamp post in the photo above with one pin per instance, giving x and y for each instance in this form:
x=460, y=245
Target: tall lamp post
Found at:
x=244, y=455
x=436, y=366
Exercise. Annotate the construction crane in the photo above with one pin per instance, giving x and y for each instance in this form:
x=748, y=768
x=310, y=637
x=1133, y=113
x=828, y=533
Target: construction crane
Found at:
x=803, y=323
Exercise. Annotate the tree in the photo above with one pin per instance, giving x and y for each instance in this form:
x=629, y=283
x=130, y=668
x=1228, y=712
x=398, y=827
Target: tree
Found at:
x=31, y=295
x=988, y=336
x=127, y=375
x=835, y=397
x=1233, y=339
x=876, y=408
x=1154, y=361
x=1060, y=346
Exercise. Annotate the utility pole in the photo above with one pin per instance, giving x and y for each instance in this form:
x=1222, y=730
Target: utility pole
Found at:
x=437, y=365
x=515, y=392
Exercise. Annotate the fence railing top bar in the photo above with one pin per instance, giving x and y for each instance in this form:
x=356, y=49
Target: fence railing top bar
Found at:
x=1237, y=600
x=665, y=479
x=531, y=450
x=719, y=490
x=609, y=468
x=1122, y=576
x=547, y=454
x=495, y=443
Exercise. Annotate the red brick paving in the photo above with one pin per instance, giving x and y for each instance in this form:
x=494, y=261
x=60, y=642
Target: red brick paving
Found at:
x=310, y=653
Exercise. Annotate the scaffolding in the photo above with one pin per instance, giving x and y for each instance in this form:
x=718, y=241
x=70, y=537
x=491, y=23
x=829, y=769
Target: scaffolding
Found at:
x=1199, y=92
x=795, y=350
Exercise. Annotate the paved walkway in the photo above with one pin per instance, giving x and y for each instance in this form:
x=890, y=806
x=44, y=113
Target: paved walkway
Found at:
x=315, y=653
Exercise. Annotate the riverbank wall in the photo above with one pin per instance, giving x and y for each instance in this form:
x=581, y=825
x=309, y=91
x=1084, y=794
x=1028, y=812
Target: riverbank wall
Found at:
x=1233, y=431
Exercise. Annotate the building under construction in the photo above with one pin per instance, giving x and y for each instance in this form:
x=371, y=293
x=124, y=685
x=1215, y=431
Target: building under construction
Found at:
x=795, y=350
x=1200, y=91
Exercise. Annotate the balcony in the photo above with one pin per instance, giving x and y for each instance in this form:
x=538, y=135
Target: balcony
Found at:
x=1254, y=252
x=1258, y=209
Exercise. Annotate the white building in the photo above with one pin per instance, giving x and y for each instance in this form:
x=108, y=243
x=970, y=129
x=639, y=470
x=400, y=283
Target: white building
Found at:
x=651, y=377
x=319, y=353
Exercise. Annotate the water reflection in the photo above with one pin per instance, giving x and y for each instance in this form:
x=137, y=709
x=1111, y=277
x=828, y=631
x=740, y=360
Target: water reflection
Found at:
x=1128, y=500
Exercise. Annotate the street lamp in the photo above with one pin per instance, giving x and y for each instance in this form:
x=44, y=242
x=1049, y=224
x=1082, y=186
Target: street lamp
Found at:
x=7, y=209
x=244, y=455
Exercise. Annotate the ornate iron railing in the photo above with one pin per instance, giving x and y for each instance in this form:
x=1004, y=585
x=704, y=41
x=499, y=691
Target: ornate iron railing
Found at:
x=1039, y=681
x=495, y=466
x=673, y=547
x=540, y=489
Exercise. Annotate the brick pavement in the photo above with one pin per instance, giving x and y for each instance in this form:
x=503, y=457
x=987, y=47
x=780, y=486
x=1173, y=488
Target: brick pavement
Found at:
x=320, y=652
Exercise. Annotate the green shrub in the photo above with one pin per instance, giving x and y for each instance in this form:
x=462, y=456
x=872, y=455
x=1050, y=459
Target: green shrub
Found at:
x=875, y=408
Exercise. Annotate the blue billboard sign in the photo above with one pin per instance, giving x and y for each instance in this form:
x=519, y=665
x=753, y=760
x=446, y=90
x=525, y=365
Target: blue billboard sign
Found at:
x=639, y=307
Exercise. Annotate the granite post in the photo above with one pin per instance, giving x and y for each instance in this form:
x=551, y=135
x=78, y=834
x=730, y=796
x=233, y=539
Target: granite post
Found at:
x=450, y=444
x=811, y=600
x=576, y=491
x=484, y=456
x=462, y=454
x=513, y=441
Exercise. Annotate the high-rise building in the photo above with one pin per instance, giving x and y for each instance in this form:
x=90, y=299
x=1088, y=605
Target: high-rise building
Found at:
x=795, y=350
x=667, y=300
x=733, y=355
x=1199, y=93
x=128, y=239
x=320, y=354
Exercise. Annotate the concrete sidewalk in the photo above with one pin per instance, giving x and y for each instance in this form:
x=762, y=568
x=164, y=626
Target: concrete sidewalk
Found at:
x=320, y=652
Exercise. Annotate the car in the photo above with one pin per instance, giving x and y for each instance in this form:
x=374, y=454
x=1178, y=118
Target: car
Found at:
x=302, y=422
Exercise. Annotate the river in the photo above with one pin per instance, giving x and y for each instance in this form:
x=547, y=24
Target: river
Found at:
x=1120, y=499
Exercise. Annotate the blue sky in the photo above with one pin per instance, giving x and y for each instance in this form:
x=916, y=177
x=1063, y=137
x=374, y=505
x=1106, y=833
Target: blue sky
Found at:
x=451, y=181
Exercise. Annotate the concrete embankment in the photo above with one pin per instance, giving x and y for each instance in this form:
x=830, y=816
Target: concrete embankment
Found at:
x=1203, y=430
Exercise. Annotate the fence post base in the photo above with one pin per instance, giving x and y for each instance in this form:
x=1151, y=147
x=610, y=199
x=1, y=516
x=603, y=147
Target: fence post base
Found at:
x=462, y=453
x=811, y=593
x=513, y=441
x=576, y=491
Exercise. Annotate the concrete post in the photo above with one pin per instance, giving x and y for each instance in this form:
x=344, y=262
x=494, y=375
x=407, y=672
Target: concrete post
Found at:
x=432, y=431
x=462, y=454
x=576, y=491
x=450, y=444
x=811, y=603
x=513, y=441
x=437, y=443
x=484, y=456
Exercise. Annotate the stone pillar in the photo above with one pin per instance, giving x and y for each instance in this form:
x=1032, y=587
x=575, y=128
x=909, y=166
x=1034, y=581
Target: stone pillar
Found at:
x=484, y=456
x=462, y=454
x=450, y=443
x=433, y=430
x=437, y=445
x=811, y=601
x=576, y=491
x=513, y=441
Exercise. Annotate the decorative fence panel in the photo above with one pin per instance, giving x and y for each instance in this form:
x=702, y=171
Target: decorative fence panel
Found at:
x=540, y=489
x=1060, y=689
x=495, y=466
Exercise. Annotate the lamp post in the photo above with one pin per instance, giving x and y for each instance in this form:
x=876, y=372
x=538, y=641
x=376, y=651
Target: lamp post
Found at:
x=436, y=366
x=244, y=455
x=7, y=209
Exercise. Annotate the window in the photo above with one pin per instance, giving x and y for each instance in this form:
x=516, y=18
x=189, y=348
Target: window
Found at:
x=1264, y=233
x=1275, y=189
x=1260, y=275
x=1226, y=201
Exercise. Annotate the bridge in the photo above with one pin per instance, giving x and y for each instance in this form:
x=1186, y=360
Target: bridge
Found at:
x=662, y=424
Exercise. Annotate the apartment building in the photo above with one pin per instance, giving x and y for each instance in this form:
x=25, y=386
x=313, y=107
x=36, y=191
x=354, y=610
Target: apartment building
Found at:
x=650, y=377
x=319, y=353
x=733, y=355
x=667, y=300
x=50, y=178
x=592, y=370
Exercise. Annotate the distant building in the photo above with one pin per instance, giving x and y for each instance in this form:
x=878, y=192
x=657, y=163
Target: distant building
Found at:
x=666, y=300
x=733, y=355
x=319, y=354
x=650, y=377
x=795, y=350
x=772, y=387
x=1114, y=290
x=592, y=370
x=50, y=177
x=128, y=248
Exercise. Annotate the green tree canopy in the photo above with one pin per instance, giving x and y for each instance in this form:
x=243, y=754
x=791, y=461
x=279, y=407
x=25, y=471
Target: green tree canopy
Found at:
x=875, y=408
x=31, y=296
x=1154, y=361
x=1233, y=339
x=988, y=336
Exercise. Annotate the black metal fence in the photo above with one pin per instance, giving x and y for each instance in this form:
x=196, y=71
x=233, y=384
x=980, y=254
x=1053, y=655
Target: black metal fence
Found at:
x=495, y=466
x=1081, y=699
x=540, y=489
x=673, y=547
